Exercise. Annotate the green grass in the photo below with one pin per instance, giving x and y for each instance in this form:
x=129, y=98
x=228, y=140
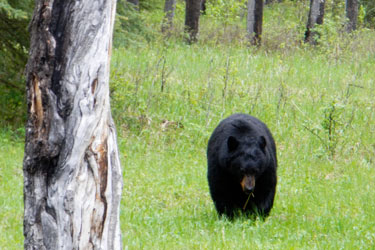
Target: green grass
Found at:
x=325, y=194
x=318, y=102
x=11, y=189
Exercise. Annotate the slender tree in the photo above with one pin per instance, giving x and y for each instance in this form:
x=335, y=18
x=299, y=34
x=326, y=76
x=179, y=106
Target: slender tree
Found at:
x=169, y=10
x=316, y=16
x=254, y=21
x=72, y=173
x=193, y=9
x=351, y=7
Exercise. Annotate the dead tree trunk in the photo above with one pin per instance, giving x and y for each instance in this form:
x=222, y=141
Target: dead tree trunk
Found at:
x=169, y=8
x=316, y=16
x=351, y=7
x=193, y=9
x=254, y=21
x=72, y=173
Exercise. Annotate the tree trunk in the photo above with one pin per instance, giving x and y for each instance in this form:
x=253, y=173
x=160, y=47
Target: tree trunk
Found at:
x=193, y=9
x=254, y=21
x=72, y=173
x=316, y=15
x=351, y=7
x=169, y=8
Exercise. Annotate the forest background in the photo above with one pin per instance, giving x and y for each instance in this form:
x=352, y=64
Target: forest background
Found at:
x=168, y=95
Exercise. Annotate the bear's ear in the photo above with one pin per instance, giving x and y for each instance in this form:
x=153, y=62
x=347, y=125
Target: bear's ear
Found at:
x=232, y=143
x=262, y=142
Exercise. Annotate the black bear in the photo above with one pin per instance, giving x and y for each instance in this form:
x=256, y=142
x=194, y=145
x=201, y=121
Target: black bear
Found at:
x=242, y=164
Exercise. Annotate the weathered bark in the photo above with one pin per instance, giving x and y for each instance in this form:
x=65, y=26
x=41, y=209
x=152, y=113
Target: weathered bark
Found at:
x=254, y=21
x=169, y=10
x=351, y=7
x=316, y=16
x=72, y=173
x=193, y=9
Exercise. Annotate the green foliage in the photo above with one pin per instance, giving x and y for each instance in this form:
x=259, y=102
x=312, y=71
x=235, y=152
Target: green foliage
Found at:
x=131, y=27
x=335, y=9
x=151, y=5
x=226, y=11
x=14, y=43
x=332, y=124
x=336, y=118
x=284, y=25
x=224, y=22
x=368, y=9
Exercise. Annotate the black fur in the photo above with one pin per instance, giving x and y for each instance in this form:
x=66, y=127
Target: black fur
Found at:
x=242, y=145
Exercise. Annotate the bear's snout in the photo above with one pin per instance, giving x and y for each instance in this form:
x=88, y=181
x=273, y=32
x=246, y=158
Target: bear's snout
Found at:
x=248, y=184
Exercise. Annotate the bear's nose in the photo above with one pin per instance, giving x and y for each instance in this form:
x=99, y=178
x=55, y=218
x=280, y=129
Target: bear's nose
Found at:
x=248, y=184
x=248, y=190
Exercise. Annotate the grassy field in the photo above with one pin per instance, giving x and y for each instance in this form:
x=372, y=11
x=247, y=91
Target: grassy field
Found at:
x=11, y=193
x=319, y=108
x=168, y=97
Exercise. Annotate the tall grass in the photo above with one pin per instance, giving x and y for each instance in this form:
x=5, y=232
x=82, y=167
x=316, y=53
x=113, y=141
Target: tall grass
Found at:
x=320, y=108
x=11, y=193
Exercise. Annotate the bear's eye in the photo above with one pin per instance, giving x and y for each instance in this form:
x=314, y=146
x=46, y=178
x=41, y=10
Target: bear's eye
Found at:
x=252, y=157
x=258, y=153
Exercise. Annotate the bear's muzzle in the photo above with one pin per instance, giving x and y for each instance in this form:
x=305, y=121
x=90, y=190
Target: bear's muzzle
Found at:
x=248, y=184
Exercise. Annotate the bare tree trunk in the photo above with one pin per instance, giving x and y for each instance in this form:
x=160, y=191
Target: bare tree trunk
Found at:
x=316, y=15
x=351, y=7
x=72, y=173
x=169, y=9
x=254, y=21
x=193, y=9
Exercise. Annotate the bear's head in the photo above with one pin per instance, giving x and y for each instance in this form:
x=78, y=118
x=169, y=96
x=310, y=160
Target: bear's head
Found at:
x=247, y=160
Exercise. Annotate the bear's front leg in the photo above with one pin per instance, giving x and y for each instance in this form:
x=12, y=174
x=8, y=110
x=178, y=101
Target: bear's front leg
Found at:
x=224, y=209
x=265, y=204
